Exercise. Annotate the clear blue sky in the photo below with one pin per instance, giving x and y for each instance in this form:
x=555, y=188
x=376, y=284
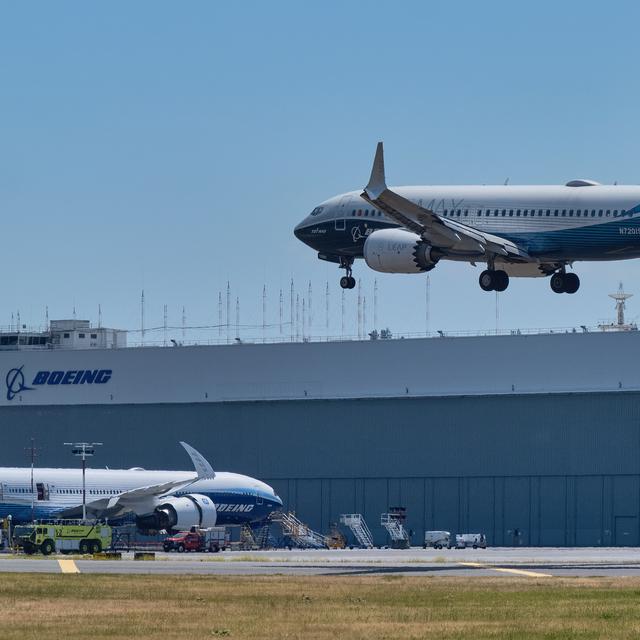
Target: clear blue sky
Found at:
x=173, y=146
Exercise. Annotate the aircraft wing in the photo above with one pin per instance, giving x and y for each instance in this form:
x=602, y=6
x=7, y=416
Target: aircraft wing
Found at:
x=452, y=237
x=141, y=497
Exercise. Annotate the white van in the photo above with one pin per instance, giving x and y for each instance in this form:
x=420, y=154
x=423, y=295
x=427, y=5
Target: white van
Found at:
x=437, y=539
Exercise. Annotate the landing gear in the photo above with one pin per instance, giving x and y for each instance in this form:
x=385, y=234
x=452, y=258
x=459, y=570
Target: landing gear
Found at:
x=562, y=282
x=491, y=280
x=348, y=281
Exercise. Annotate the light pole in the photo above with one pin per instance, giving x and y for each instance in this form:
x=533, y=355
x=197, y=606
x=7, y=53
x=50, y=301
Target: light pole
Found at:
x=83, y=450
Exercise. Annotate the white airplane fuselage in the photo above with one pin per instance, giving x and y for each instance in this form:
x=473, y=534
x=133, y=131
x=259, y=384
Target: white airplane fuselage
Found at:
x=238, y=498
x=553, y=223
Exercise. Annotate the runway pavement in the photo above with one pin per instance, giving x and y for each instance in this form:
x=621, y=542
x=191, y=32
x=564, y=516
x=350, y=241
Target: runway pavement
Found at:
x=532, y=562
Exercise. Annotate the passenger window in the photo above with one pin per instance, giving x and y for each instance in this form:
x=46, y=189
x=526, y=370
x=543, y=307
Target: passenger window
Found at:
x=593, y=213
x=525, y=212
x=504, y=212
x=600, y=213
x=466, y=212
x=459, y=212
x=571, y=213
x=518, y=213
x=615, y=213
x=608, y=212
x=495, y=213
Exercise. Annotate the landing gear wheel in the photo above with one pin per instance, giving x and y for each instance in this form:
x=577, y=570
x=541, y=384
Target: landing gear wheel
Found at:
x=571, y=282
x=500, y=280
x=347, y=282
x=486, y=280
x=557, y=282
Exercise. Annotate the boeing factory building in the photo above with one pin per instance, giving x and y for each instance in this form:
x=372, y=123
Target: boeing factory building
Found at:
x=530, y=439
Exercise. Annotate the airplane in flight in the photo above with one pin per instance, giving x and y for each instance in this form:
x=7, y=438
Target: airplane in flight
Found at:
x=513, y=231
x=159, y=500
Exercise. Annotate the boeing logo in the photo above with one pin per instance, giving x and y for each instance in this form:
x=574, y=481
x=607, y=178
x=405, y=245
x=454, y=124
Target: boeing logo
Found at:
x=15, y=383
x=15, y=379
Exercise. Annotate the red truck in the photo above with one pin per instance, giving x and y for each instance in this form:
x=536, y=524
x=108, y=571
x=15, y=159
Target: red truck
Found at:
x=212, y=539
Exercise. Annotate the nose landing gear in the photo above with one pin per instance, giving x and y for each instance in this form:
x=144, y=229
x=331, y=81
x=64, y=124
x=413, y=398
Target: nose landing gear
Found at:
x=348, y=281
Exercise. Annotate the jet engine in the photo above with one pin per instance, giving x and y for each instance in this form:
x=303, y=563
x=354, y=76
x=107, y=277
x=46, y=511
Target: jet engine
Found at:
x=399, y=251
x=180, y=514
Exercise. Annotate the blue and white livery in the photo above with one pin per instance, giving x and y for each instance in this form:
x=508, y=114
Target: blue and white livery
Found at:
x=159, y=500
x=516, y=231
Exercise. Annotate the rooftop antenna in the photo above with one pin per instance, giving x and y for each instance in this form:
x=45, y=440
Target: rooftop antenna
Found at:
x=237, y=319
x=184, y=324
x=99, y=316
x=12, y=321
x=281, y=310
x=74, y=313
x=506, y=182
x=228, y=318
x=310, y=309
x=291, y=311
x=375, y=303
x=18, y=325
x=46, y=317
x=364, y=315
x=304, y=318
x=219, y=313
x=297, y=316
x=164, y=341
x=427, y=300
x=326, y=307
x=142, y=318
x=359, y=306
x=264, y=312
x=621, y=298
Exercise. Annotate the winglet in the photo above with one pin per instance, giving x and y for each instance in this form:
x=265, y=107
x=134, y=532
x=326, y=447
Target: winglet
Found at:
x=202, y=466
x=377, y=182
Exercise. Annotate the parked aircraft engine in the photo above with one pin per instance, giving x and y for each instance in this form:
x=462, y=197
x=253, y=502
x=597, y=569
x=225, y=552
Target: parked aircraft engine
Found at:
x=180, y=514
x=398, y=251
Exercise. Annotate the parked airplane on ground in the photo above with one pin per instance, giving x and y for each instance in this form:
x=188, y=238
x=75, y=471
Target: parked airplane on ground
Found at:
x=169, y=500
x=517, y=231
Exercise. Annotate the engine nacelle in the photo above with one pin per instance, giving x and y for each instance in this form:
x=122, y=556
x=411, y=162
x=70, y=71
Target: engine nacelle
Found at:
x=180, y=514
x=398, y=251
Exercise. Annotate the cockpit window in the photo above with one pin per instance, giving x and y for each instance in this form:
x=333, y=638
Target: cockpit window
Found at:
x=317, y=211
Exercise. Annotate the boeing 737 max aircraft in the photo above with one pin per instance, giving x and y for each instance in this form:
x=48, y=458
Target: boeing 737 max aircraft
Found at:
x=169, y=500
x=515, y=231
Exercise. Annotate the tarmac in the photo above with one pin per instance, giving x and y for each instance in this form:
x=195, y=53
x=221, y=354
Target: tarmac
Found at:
x=522, y=562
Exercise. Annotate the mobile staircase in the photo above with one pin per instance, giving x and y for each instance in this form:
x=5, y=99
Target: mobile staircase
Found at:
x=298, y=533
x=359, y=528
x=393, y=522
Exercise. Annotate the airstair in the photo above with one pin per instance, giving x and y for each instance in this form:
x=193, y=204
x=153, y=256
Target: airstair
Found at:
x=359, y=528
x=393, y=522
x=299, y=533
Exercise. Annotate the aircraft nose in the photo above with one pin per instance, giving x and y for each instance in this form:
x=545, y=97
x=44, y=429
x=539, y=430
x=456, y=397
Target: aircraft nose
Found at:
x=298, y=231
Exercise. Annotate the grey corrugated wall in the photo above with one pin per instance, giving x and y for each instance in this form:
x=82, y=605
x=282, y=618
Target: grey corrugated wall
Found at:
x=562, y=469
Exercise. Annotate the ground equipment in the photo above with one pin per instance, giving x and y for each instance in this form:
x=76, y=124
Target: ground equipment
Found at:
x=298, y=534
x=437, y=539
x=211, y=539
x=359, y=528
x=62, y=536
x=393, y=522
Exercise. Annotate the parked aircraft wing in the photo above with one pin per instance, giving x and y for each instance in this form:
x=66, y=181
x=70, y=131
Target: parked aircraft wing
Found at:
x=142, y=497
x=448, y=235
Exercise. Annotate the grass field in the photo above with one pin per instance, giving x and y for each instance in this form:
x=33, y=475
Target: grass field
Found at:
x=82, y=606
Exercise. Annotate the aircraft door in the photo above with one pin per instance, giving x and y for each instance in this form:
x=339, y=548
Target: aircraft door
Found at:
x=341, y=213
x=42, y=491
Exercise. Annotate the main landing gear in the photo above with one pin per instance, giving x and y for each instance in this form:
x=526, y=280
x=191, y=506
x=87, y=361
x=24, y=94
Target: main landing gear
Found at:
x=493, y=280
x=562, y=282
x=348, y=281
